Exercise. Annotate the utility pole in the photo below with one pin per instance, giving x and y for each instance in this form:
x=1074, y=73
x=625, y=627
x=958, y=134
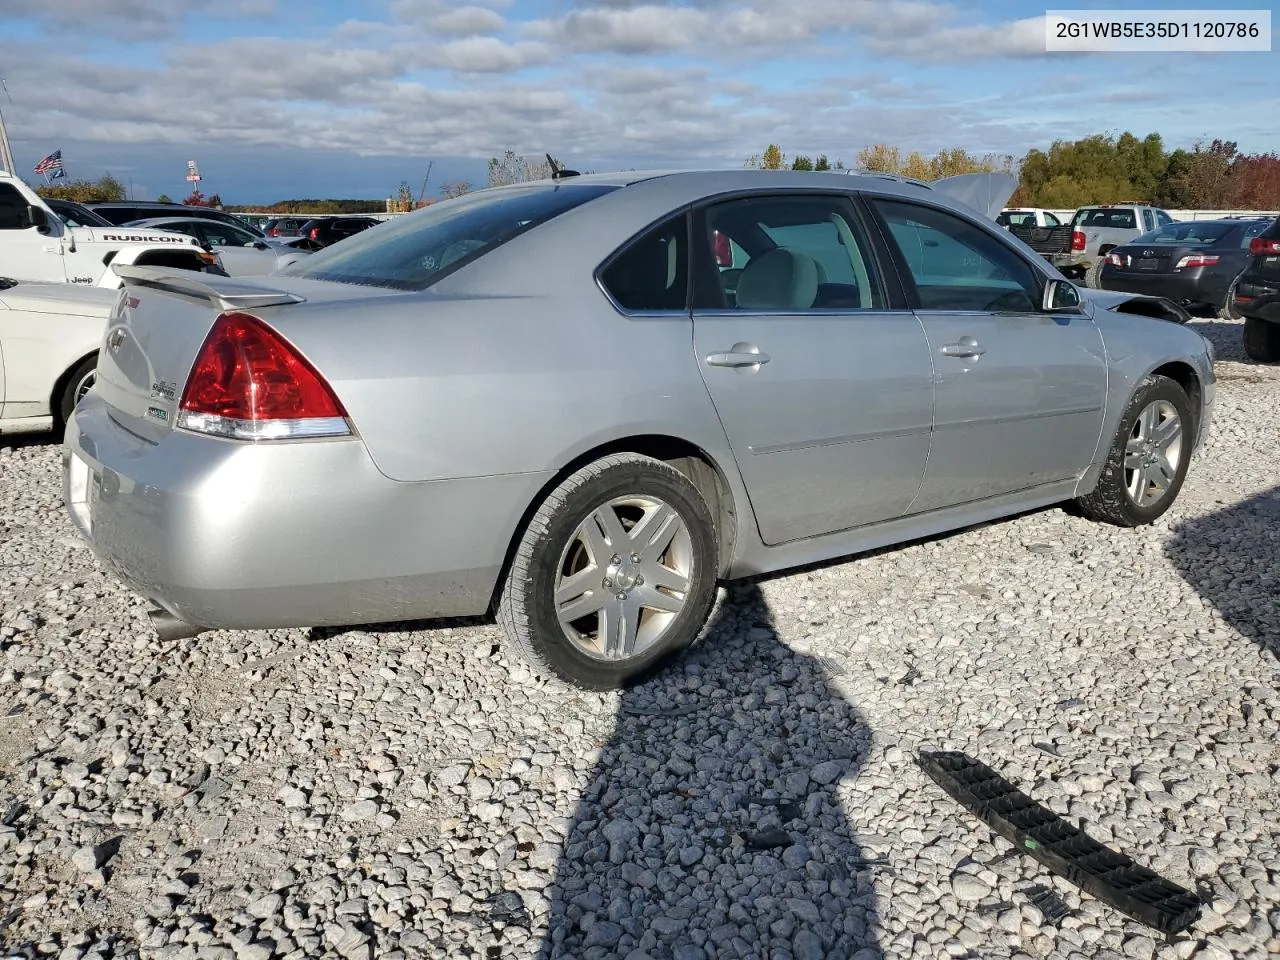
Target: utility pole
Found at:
x=423, y=192
x=6, y=154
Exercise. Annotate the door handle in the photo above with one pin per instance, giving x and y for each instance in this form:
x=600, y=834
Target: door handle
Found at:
x=967, y=347
x=737, y=357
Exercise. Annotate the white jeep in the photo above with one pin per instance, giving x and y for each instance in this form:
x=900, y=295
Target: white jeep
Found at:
x=36, y=245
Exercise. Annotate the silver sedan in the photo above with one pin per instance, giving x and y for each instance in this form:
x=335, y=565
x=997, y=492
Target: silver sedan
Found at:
x=577, y=405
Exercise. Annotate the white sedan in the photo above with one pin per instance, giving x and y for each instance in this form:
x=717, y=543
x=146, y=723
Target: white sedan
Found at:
x=243, y=254
x=49, y=339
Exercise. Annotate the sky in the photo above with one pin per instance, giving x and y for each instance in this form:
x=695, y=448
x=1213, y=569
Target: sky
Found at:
x=347, y=98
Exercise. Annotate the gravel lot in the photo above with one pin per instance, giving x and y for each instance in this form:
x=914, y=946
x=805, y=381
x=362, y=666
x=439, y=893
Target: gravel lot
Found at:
x=410, y=793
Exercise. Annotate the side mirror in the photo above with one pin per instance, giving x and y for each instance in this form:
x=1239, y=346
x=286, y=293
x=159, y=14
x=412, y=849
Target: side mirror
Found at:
x=259, y=245
x=38, y=218
x=1060, y=296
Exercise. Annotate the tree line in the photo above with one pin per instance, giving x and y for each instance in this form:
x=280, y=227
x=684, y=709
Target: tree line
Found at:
x=1101, y=168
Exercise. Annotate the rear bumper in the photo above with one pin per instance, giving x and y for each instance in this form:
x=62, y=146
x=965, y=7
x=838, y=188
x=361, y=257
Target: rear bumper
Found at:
x=237, y=535
x=1177, y=287
x=1262, y=297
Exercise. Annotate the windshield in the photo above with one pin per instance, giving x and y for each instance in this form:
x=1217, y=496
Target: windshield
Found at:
x=420, y=248
x=74, y=215
x=1187, y=234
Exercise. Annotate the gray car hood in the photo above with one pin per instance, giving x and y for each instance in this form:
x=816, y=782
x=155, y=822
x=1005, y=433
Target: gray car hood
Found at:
x=986, y=193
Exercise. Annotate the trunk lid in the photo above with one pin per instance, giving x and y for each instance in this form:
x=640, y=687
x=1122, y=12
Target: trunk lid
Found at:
x=63, y=298
x=1153, y=258
x=154, y=334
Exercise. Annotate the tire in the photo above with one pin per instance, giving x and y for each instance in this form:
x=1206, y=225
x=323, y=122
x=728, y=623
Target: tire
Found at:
x=78, y=382
x=555, y=550
x=1227, y=309
x=1093, y=276
x=1113, y=500
x=1261, y=340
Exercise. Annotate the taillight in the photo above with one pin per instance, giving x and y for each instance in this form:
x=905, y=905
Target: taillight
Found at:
x=1077, y=239
x=315, y=233
x=1196, y=260
x=724, y=250
x=249, y=383
x=1262, y=247
x=1115, y=259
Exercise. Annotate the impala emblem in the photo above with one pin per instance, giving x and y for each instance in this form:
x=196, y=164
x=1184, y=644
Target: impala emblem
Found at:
x=114, y=339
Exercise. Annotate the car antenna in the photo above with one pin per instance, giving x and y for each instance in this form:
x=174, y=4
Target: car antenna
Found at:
x=558, y=172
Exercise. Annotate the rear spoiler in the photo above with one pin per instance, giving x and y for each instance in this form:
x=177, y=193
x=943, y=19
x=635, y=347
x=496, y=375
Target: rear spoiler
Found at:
x=224, y=292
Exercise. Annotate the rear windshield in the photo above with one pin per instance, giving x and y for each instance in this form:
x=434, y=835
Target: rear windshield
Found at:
x=421, y=248
x=1187, y=234
x=1116, y=219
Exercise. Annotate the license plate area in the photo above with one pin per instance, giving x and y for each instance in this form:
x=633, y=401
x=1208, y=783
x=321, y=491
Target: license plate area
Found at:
x=1146, y=263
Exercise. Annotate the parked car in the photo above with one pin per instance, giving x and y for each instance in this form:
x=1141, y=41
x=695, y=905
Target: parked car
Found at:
x=284, y=226
x=1027, y=217
x=121, y=212
x=241, y=252
x=38, y=245
x=556, y=402
x=75, y=214
x=324, y=231
x=49, y=339
x=1257, y=296
x=1193, y=263
x=1078, y=248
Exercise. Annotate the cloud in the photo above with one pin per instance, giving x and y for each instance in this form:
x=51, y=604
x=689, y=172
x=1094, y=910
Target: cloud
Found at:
x=604, y=84
x=719, y=28
x=486, y=55
x=129, y=19
x=468, y=21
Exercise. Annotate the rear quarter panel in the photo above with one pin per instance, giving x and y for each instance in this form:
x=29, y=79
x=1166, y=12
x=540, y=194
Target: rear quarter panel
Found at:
x=448, y=387
x=515, y=363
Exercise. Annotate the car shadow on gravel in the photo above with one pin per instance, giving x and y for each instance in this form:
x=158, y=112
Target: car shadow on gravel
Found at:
x=711, y=826
x=1232, y=559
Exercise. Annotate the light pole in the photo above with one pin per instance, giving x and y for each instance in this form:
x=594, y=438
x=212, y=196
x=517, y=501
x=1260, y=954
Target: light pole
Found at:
x=6, y=154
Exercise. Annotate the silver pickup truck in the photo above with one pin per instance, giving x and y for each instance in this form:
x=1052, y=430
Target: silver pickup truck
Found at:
x=1078, y=248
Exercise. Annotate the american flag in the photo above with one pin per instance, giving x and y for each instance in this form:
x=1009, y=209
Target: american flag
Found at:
x=52, y=162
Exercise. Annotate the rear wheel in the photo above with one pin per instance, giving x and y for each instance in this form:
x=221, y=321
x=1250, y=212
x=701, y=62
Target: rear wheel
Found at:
x=615, y=573
x=1148, y=459
x=1261, y=340
x=78, y=383
x=1093, y=276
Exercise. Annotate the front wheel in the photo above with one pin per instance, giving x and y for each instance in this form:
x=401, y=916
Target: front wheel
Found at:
x=614, y=574
x=78, y=384
x=1148, y=459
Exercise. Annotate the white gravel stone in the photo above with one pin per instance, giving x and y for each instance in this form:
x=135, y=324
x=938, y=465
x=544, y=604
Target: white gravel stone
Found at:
x=413, y=793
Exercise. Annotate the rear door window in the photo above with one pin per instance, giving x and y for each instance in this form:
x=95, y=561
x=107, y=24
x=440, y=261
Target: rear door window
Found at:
x=785, y=254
